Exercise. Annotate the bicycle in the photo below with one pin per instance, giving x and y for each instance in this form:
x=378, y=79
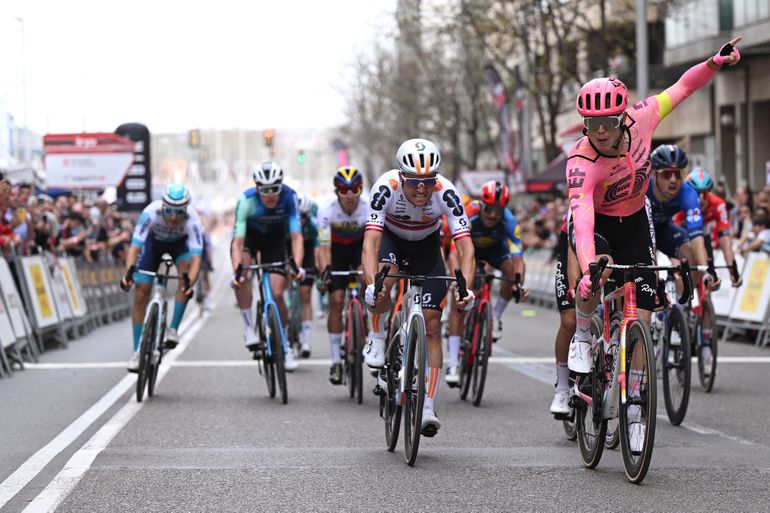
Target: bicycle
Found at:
x=273, y=344
x=703, y=323
x=200, y=294
x=476, y=346
x=609, y=391
x=401, y=382
x=354, y=319
x=154, y=328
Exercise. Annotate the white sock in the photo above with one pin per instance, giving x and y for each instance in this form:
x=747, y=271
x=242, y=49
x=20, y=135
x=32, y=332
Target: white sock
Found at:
x=248, y=320
x=378, y=326
x=583, y=331
x=500, y=305
x=454, y=349
x=307, y=327
x=562, y=377
x=334, y=347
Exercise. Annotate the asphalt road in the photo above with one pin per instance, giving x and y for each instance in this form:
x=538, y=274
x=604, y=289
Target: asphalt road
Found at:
x=74, y=438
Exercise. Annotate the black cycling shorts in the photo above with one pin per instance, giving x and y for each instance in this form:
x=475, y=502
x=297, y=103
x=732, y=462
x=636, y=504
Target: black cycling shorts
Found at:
x=562, y=282
x=308, y=261
x=628, y=241
x=424, y=258
x=345, y=257
x=265, y=245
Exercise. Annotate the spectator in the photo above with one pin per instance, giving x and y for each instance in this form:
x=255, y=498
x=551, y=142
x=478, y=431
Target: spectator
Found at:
x=73, y=234
x=759, y=236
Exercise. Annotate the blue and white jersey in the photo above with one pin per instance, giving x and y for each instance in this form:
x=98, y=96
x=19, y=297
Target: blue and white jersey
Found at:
x=151, y=221
x=686, y=200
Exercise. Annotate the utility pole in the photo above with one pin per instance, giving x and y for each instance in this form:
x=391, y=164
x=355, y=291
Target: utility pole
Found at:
x=642, y=60
x=27, y=142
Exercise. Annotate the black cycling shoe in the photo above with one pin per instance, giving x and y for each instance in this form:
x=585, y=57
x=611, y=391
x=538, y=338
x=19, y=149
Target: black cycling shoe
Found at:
x=335, y=374
x=170, y=344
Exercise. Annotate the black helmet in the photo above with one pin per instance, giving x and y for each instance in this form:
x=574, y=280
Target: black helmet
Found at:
x=668, y=156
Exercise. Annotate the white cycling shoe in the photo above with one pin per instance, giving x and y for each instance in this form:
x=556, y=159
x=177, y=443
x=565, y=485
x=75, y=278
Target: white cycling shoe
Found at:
x=133, y=362
x=452, y=375
x=560, y=403
x=497, y=330
x=250, y=339
x=579, y=356
x=430, y=423
x=374, y=353
x=290, y=364
x=636, y=437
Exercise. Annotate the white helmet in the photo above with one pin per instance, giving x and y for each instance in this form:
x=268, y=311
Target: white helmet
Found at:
x=267, y=173
x=176, y=195
x=418, y=157
x=305, y=203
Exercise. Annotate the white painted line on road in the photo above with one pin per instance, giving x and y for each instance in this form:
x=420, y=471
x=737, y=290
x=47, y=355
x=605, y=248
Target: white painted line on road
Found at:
x=703, y=430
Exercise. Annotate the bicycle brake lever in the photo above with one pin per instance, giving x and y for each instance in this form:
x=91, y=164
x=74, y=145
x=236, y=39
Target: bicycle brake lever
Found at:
x=462, y=286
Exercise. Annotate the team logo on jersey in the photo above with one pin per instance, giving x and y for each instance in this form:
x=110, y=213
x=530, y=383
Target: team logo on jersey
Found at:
x=617, y=190
x=453, y=201
x=380, y=198
x=393, y=183
x=693, y=215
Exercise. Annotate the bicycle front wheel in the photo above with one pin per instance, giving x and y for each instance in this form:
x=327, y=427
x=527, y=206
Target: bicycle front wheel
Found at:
x=676, y=367
x=707, y=336
x=146, y=350
x=637, y=415
x=590, y=423
x=414, y=387
x=392, y=406
x=355, y=358
x=467, y=357
x=157, y=354
x=483, y=348
x=276, y=347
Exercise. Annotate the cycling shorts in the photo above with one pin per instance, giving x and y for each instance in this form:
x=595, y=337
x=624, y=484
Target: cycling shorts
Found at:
x=308, y=261
x=562, y=282
x=344, y=258
x=670, y=238
x=495, y=255
x=153, y=249
x=424, y=257
x=268, y=250
x=628, y=241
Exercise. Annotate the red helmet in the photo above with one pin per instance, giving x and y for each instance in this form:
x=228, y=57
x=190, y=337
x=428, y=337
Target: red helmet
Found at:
x=602, y=97
x=495, y=194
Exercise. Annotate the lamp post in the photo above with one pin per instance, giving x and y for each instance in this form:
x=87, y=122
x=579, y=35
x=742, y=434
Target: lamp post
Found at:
x=24, y=91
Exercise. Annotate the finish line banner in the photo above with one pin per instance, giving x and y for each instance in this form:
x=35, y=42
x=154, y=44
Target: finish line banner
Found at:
x=86, y=160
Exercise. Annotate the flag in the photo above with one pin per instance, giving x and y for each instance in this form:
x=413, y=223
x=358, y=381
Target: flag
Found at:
x=503, y=117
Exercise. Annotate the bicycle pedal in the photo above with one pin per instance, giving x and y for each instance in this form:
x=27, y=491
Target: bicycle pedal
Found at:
x=378, y=390
x=564, y=416
x=429, y=431
x=169, y=344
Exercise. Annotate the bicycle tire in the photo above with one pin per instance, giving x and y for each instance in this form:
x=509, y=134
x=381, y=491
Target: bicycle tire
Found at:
x=267, y=359
x=483, y=348
x=590, y=423
x=466, y=356
x=637, y=463
x=707, y=379
x=393, y=406
x=612, y=437
x=145, y=351
x=414, y=388
x=276, y=347
x=155, y=366
x=676, y=367
x=356, y=358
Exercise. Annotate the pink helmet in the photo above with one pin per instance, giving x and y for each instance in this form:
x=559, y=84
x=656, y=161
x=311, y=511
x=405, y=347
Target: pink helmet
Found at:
x=602, y=97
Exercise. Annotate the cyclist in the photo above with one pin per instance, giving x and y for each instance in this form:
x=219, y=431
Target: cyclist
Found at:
x=171, y=226
x=566, y=271
x=607, y=174
x=261, y=216
x=341, y=223
x=403, y=220
x=494, y=232
x=308, y=218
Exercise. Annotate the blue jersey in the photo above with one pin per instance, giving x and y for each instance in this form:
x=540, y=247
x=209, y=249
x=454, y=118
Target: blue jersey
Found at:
x=252, y=214
x=505, y=231
x=686, y=200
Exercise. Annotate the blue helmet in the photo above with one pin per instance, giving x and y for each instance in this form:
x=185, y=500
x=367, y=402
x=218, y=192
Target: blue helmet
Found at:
x=700, y=180
x=176, y=195
x=668, y=156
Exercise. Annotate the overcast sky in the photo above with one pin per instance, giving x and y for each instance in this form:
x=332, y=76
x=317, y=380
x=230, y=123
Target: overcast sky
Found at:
x=175, y=65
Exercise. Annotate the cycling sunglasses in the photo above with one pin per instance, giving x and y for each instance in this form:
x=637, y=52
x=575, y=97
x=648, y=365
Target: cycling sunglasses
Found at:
x=173, y=211
x=270, y=189
x=416, y=182
x=668, y=174
x=344, y=190
x=608, y=122
x=491, y=209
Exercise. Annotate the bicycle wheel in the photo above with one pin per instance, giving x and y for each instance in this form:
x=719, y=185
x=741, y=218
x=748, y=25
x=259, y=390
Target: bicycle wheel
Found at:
x=612, y=438
x=414, y=387
x=392, y=398
x=707, y=324
x=676, y=367
x=466, y=356
x=637, y=416
x=155, y=360
x=145, y=351
x=590, y=424
x=268, y=363
x=483, y=348
x=276, y=347
x=356, y=358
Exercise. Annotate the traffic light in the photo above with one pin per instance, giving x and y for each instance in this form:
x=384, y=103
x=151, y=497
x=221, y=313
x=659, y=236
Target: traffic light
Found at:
x=301, y=157
x=194, y=138
x=268, y=134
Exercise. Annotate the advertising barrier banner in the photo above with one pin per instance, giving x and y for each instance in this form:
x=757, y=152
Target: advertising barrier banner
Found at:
x=12, y=299
x=41, y=291
x=753, y=297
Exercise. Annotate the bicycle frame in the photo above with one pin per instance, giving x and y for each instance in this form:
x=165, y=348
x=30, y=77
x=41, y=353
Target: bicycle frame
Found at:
x=266, y=298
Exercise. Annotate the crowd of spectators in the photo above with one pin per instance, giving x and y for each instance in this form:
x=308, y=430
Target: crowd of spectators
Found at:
x=30, y=223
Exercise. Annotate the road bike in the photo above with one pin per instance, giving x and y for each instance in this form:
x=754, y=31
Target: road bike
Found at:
x=476, y=345
x=622, y=382
x=354, y=335
x=401, y=382
x=154, y=328
x=294, y=321
x=271, y=350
